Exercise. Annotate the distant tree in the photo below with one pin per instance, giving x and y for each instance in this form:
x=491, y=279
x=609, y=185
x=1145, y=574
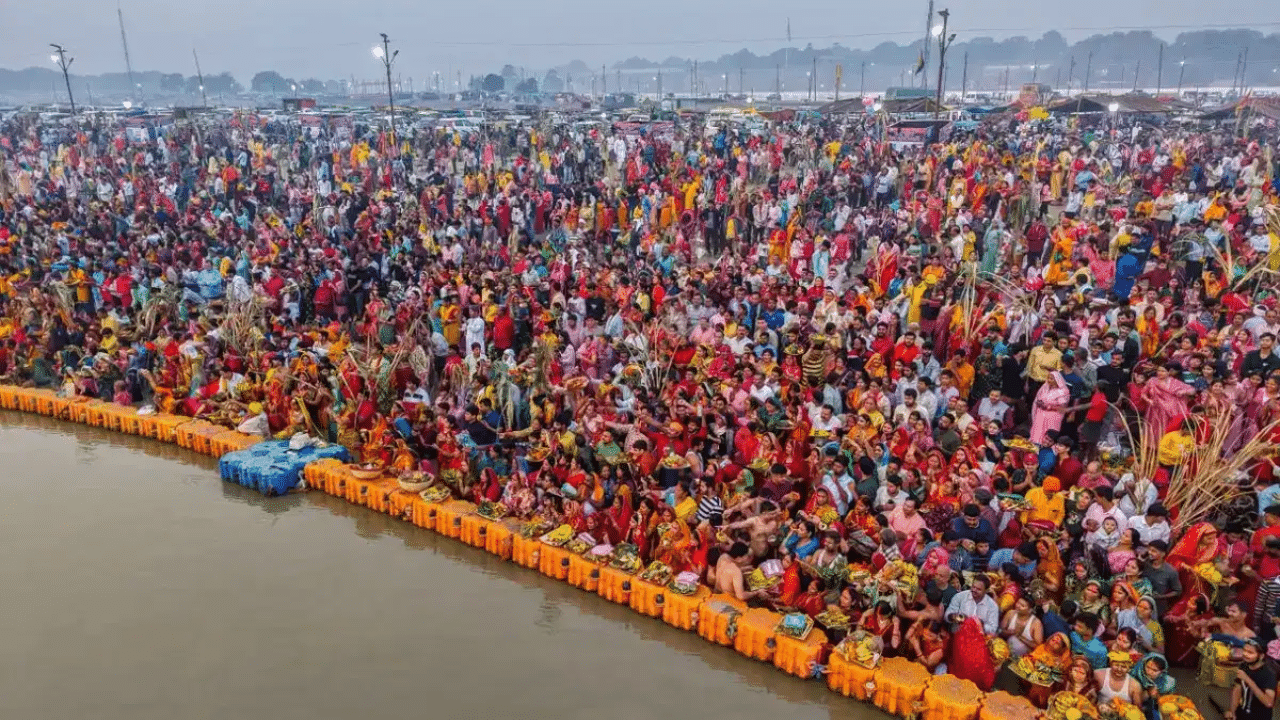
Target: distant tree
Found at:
x=269, y=81
x=311, y=85
x=492, y=83
x=222, y=83
x=528, y=85
x=173, y=82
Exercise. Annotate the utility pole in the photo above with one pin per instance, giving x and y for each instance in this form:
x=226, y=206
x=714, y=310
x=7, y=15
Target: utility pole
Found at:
x=1088, y=70
x=777, y=80
x=604, y=82
x=944, y=42
x=1182, y=69
x=964, y=77
x=742, y=76
x=862, y=83
x=1071, y=73
x=124, y=42
x=1244, y=70
x=64, y=63
x=813, y=85
x=200, y=77
x=1136, y=71
x=924, y=55
x=1160, y=70
x=387, y=57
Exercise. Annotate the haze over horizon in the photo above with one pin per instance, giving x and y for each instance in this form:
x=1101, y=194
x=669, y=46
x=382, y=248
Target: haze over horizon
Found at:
x=325, y=39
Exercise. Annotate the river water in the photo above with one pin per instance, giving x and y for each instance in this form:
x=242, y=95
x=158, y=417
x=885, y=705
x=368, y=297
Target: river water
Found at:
x=142, y=587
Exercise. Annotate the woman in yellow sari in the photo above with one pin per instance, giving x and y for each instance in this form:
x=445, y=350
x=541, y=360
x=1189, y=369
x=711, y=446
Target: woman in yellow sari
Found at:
x=1149, y=332
x=672, y=540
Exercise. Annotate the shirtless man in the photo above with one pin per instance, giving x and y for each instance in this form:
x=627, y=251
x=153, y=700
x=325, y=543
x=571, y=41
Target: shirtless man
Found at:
x=761, y=528
x=729, y=578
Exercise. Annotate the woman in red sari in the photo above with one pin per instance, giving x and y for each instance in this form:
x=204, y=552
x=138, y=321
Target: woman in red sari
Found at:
x=1201, y=544
x=969, y=657
x=1180, y=628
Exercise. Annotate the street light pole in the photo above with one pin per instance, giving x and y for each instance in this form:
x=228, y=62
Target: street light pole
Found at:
x=1182, y=69
x=65, y=64
x=944, y=42
x=387, y=57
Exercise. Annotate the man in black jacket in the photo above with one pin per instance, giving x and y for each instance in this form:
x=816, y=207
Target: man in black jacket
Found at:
x=1262, y=361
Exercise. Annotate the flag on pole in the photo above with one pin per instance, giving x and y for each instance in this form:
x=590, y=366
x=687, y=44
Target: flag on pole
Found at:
x=919, y=64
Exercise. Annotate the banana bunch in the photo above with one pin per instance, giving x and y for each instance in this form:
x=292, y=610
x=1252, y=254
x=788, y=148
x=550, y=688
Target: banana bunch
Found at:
x=559, y=536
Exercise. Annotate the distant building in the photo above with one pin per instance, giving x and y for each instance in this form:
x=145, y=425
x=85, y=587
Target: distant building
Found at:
x=907, y=93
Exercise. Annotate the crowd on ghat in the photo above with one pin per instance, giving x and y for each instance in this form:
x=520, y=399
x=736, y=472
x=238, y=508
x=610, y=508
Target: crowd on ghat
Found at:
x=892, y=388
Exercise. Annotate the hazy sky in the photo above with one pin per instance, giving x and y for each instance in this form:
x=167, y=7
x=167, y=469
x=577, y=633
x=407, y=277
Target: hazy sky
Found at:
x=332, y=39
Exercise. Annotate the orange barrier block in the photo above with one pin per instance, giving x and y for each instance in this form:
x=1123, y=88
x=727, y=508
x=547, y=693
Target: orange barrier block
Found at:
x=499, y=539
x=46, y=402
x=184, y=435
x=400, y=504
x=8, y=397
x=583, y=573
x=718, y=618
x=335, y=481
x=1000, y=705
x=27, y=399
x=948, y=697
x=315, y=474
x=849, y=678
x=113, y=416
x=900, y=686
x=526, y=552
x=648, y=598
x=426, y=515
x=202, y=440
x=554, y=562
x=450, y=519
x=355, y=490
x=682, y=611
x=164, y=427
x=61, y=407
x=475, y=530
x=755, y=634
x=97, y=413
x=798, y=657
x=615, y=585
x=378, y=494
x=131, y=422
x=231, y=441
x=79, y=412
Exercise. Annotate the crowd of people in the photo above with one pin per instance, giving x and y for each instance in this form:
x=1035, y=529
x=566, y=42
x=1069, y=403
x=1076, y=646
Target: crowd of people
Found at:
x=903, y=390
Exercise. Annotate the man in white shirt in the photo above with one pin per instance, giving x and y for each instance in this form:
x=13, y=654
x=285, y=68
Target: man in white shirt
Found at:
x=1103, y=507
x=975, y=603
x=1154, y=525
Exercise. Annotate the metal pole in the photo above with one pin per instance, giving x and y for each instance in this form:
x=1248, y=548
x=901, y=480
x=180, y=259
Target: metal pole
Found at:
x=862, y=84
x=200, y=76
x=64, y=63
x=1182, y=70
x=387, y=58
x=1088, y=70
x=942, y=58
x=924, y=54
x=1160, y=69
x=964, y=77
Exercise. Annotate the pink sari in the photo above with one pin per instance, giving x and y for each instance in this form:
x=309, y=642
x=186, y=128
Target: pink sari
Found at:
x=1165, y=403
x=1050, y=404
